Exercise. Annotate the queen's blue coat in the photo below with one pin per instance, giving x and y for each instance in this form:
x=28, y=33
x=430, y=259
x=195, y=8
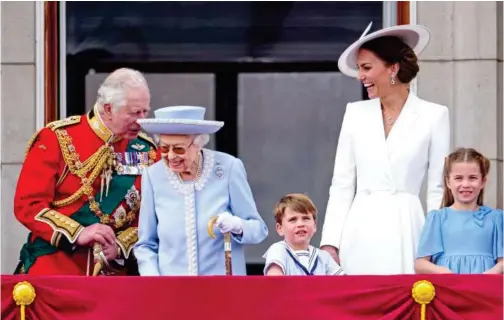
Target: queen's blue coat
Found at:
x=172, y=233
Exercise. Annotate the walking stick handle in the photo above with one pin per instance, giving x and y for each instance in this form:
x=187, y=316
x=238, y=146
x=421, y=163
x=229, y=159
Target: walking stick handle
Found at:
x=227, y=245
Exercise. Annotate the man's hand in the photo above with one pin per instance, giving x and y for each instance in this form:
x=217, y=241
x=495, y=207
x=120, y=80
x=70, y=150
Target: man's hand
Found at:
x=334, y=252
x=110, y=252
x=97, y=232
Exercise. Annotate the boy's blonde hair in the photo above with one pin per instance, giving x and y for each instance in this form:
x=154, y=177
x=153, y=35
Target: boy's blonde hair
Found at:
x=296, y=202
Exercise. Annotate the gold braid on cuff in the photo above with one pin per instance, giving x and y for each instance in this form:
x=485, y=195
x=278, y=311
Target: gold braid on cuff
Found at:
x=61, y=224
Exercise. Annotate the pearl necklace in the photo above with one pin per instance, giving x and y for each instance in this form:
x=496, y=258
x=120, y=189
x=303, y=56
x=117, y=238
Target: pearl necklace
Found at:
x=198, y=172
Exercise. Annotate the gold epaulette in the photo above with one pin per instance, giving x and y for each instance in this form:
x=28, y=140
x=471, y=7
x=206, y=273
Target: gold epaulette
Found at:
x=63, y=122
x=145, y=137
x=53, y=126
x=31, y=142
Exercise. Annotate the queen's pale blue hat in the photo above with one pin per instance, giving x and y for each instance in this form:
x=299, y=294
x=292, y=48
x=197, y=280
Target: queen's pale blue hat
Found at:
x=180, y=120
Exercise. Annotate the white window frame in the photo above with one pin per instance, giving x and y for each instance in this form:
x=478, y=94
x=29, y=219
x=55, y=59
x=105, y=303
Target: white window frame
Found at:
x=389, y=17
x=39, y=65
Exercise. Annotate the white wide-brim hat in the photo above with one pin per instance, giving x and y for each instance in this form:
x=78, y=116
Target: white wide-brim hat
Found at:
x=415, y=36
x=180, y=120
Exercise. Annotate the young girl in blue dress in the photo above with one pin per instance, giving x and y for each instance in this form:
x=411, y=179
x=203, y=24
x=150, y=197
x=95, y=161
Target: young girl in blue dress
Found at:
x=464, y=236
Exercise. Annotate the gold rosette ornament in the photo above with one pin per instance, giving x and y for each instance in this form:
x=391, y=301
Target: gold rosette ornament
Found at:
x=423, y=293
x=24, y=295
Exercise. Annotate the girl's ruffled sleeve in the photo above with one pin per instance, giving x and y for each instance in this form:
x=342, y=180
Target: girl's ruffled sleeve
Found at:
x=431, y=241
x=497, y=240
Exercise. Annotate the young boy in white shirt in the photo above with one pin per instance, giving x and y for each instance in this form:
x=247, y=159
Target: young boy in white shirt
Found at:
x=296, y=222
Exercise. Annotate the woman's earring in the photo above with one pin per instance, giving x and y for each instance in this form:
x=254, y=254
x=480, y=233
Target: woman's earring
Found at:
x=392, y=81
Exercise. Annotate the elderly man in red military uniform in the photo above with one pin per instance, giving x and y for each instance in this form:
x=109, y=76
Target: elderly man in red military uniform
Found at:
x=79, y=187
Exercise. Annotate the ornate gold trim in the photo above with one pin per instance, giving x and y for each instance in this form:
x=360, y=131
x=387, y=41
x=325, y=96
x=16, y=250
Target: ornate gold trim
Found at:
x=31, y=142
x=60, y=224
x=127, y=239
x=62, y=176
x=55, y=125
x=88, y=171
x=98, y=127
x=147, y=138
x=93, y=164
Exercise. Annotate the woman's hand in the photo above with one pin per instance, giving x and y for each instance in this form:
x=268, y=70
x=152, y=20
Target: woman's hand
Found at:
x=229, y=223
x=334, y=252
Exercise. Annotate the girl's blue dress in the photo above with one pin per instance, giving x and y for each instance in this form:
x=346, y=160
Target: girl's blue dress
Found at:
x=466, y=242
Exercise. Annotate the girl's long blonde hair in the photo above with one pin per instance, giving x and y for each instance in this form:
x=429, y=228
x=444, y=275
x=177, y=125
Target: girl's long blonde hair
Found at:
x=463, y=155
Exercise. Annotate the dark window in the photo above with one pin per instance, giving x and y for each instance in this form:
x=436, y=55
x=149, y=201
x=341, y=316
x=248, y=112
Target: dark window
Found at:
x=288, y=31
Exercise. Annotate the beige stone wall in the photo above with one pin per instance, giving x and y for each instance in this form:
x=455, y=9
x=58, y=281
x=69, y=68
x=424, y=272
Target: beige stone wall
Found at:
x=18, y=116
x=462, y=68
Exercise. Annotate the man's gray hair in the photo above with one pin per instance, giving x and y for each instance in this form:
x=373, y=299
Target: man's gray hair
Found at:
x=200, y=140
x=112, y=90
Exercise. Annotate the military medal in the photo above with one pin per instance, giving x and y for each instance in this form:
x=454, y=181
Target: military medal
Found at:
x=132, y=163
x=133, y=198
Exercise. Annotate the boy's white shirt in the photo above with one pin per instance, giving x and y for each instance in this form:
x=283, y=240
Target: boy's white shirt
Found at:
x=323, y=262
x=303, y=257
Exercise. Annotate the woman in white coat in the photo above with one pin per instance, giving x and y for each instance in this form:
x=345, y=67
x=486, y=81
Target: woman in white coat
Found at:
x=387, y=146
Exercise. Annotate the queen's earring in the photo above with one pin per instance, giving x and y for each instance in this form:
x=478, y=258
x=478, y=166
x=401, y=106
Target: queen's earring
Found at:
x=392, y=81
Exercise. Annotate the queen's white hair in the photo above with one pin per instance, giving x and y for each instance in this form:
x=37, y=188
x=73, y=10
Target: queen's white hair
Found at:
x=200, y=140
x=113, y=90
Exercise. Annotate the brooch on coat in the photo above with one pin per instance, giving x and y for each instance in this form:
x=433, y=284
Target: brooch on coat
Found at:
x=219, y=171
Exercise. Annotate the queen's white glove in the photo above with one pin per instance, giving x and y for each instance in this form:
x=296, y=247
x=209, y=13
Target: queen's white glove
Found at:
x=229, y=223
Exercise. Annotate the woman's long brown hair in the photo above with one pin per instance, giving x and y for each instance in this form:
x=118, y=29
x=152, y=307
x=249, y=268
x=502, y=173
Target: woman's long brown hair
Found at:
x=463, y=155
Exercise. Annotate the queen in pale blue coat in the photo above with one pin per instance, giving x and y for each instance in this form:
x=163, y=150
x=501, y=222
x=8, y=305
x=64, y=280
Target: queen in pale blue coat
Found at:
x=180, y=194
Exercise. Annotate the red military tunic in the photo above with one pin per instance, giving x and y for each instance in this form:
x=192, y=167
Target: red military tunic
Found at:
x=50, y=193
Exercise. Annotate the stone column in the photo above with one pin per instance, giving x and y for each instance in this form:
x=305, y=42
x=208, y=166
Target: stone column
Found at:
x=462, y=69
x=18, y=116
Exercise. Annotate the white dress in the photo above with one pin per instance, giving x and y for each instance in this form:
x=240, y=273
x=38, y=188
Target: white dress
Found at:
x=374, y=214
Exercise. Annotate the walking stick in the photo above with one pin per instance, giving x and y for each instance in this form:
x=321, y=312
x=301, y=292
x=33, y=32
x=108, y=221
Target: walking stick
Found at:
x=97, y=249
x=227, y=245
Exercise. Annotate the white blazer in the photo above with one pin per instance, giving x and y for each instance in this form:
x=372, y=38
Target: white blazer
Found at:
x=377, y=180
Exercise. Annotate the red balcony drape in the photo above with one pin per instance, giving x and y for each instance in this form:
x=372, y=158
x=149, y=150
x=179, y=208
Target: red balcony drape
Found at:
x=308, y=298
